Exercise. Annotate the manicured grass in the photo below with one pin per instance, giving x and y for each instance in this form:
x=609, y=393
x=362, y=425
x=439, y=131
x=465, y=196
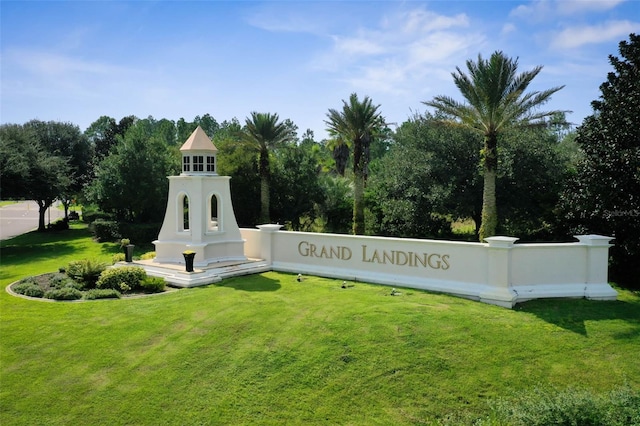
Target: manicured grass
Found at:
x=265, y=349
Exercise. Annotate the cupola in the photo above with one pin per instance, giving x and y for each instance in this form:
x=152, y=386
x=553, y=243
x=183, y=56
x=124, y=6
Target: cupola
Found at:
x=199, y=154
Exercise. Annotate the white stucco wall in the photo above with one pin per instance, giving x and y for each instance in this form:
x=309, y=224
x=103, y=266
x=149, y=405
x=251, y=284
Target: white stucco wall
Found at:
x=498, y=272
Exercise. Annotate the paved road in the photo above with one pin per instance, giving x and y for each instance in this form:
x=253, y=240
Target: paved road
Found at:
x=20, y=218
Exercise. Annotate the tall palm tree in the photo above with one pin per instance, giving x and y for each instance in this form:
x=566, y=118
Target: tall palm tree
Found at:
x=496, y=99
x=358, y=122
x=263, y=132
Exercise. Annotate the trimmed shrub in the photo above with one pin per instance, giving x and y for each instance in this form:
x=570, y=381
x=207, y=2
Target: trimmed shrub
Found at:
x=28, y=287
x=105, y=230
x=124, y=278
x=66, y=293
x=106, y=293
x=91, y=214
x=86, y=271
x=153, y=284
x=118, y=257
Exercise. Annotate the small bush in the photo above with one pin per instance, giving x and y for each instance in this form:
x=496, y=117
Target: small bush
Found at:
x=59, y=225
x=86, y=271
x=66, y=293
x=61, y=280
x=106, y=293
x=118, y=257
x=28, y=287
x=148, y=255
x=105, y=230
x=546, y=406
x=114, y=278
x=153, y=284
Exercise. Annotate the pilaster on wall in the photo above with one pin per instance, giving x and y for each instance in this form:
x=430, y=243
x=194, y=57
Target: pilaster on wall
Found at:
x=597, y=262
x=266, y=240
x=499, y=272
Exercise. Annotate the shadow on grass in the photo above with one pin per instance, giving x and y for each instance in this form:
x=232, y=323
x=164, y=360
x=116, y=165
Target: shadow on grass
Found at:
x=251, y=283
x=37, y=246
x=572, y=314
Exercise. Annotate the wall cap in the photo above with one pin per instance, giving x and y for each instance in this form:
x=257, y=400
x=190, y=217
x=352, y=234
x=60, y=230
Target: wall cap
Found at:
x=594, y=240
x=501, y=242
x=269, y=227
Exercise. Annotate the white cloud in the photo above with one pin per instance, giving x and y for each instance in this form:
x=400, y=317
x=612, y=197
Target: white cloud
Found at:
x=508, y=28
x=396, y=55
x=568, y=7
x=50, y=64
x=539, y=10
x=360, y=45
x=421, y=21
x=578, y=36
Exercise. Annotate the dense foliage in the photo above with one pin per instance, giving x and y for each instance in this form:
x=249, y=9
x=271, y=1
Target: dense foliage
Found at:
x=43, y=161
x=131, y=182
x=604, y=197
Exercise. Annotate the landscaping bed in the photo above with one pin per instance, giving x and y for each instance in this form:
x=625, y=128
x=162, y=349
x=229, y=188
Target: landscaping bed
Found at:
x=87, y=280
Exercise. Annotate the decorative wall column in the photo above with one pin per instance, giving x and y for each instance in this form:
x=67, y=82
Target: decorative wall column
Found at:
x=499, y=291
x=266, y=241
x=597, y=285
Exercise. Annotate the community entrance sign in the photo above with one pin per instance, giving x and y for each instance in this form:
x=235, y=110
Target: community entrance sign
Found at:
x=199, y=218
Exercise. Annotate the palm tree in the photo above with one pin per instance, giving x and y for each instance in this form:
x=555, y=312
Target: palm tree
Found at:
x=263, y=132
x=358, y=122
x=496, y=100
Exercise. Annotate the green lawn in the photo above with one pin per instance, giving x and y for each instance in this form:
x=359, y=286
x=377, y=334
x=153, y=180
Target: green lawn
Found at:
x=266, y=349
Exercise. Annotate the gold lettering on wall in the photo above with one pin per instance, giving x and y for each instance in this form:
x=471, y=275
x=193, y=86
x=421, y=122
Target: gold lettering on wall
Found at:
x=373, y=255
x=307, y=249
x=405, y=258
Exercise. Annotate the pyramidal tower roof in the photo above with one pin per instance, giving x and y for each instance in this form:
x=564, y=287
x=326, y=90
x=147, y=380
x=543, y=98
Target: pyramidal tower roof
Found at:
x=198, y=141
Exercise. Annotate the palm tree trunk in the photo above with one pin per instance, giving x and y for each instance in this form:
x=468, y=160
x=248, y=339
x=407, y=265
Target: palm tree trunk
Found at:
x=489, y=221
x=489, y=207
x=264, y=187
x=358, y=203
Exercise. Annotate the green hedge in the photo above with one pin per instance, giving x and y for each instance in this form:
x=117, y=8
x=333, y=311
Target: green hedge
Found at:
x=137, y=233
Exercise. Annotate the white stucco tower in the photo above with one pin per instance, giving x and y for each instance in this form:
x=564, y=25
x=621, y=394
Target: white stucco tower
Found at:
x=199, y=215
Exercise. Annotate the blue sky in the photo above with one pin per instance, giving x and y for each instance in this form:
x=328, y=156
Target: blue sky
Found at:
x=76, y=61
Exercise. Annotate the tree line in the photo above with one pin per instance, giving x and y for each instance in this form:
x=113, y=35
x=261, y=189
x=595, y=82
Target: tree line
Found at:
x=495, y=161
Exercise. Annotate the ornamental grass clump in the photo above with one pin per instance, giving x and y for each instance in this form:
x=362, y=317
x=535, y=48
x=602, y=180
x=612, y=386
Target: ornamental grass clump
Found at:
x=86, y=271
